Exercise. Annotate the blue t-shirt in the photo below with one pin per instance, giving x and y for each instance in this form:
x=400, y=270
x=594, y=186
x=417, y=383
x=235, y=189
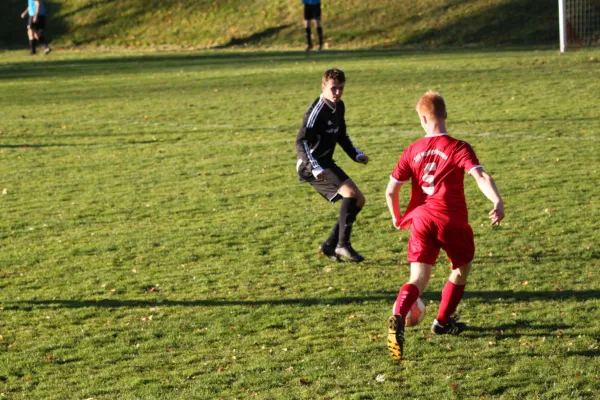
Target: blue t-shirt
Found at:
x=311, y=2
x=32, y=8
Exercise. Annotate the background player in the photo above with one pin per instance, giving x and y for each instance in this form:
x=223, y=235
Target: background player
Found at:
x=436, y=215
x=323, y=126
x=312, y=10
x=36, y=24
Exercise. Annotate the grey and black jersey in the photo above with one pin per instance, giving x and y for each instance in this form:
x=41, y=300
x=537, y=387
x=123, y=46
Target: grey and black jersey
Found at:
x=322, y=127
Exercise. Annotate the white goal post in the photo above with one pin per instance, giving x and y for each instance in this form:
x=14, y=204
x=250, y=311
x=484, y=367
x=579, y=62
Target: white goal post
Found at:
x=578, y=23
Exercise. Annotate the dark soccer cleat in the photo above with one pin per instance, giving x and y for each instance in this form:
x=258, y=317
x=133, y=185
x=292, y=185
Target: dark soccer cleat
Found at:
x=329, y=251
x=308, y=48
x=453, y=327
x=349, y=253
x=47, y=50
x=395, y=341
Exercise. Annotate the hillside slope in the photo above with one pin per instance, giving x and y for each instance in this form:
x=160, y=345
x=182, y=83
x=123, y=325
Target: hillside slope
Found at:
x=228, y=23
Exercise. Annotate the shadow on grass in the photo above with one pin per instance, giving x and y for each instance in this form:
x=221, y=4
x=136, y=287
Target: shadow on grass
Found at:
x=514, y=22
x=25, y=146
x=255, y=38
x=492, y=296
x=146, y=63
x=506, y=331
x=588, y=353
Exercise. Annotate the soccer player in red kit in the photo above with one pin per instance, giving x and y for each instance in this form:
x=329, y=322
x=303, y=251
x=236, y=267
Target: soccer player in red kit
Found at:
x=436, y=216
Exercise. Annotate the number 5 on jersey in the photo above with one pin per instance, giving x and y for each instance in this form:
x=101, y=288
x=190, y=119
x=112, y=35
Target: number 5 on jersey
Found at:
x=428, y=178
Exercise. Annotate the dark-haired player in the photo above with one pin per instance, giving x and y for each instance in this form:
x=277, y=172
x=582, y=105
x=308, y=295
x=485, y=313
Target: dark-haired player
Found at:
x=322, y=128
x=437, y=216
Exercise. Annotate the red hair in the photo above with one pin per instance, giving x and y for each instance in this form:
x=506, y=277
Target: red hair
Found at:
x=432, y=105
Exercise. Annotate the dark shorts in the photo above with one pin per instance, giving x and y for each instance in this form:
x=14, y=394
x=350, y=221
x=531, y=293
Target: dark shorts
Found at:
x=429, y=234
x=312, y=11
x=329, y=187
x=40, y=24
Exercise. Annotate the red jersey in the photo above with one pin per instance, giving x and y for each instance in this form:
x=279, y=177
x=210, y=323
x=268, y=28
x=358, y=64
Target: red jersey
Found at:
x=436, y=165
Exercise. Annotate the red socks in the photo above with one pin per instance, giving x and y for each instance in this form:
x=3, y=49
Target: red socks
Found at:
x=407, y=295
x=451, y=296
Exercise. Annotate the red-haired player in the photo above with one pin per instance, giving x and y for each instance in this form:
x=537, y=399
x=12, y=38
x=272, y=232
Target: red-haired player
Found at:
x=436, y=216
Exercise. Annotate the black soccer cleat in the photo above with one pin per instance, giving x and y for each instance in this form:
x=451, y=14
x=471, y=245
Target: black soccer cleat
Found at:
x=453, y=327
x=395, y=342
x=349, y=253
x=329, y=251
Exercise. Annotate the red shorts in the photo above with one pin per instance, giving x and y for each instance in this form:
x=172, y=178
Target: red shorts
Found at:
x=429, y=234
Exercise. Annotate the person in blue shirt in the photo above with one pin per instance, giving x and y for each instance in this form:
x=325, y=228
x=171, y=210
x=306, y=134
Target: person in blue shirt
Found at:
x=35, y=25
x=312, y=10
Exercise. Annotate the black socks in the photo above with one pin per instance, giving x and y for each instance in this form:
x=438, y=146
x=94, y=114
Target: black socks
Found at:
x=43, y=42
x=320, y=32
x=348, y=213
x=333, y=238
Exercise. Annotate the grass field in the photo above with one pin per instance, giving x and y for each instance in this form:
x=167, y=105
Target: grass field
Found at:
x=135, y=24
x=155, y=242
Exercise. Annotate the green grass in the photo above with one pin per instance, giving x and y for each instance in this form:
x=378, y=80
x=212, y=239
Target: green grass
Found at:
x=278, y=23
x=155, y=242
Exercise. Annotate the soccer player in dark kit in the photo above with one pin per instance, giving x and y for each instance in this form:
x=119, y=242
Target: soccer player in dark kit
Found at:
x=322, y=128
x=437, y=217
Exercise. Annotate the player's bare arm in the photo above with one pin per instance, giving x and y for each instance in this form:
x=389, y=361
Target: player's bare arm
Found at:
x=488, y=188
x=392, y=197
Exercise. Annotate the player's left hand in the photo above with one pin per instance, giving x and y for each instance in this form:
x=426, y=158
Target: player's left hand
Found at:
x=362, y=158
x=497, y=214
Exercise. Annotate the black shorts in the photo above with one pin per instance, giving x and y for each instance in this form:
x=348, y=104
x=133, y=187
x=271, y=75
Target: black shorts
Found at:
x=329, y=187
x=312, y=11
x=40, y=24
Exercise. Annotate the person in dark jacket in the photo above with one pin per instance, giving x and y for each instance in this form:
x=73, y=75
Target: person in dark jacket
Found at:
x=323, y=127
